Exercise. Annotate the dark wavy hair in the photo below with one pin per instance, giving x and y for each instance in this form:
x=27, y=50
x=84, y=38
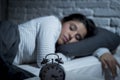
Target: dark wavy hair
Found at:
x=89, y=24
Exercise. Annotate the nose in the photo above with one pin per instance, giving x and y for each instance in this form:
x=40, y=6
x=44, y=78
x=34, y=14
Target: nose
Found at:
x=72, y=35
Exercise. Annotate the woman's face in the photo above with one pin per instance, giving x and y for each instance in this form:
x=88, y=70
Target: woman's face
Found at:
x=72, y=31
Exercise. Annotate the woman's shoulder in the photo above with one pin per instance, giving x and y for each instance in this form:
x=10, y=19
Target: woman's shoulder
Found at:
x=51, y=18
x=44, y=19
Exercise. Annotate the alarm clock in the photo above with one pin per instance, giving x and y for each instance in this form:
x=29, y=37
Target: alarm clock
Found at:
x=52, y=69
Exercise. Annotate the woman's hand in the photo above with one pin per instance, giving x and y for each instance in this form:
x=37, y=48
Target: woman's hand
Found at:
x=108, y=61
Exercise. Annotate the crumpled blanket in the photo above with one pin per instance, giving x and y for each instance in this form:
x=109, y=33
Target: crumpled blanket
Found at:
x=9, y=41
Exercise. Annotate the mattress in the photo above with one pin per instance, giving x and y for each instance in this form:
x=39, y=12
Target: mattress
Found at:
x=86, y=68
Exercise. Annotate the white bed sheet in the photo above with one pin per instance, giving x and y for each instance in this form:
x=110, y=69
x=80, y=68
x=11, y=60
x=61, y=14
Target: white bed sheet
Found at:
x=87, y=68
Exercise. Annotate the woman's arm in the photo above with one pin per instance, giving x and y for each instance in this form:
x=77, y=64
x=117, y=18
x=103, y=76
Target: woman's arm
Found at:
x=107, y=60
x=50, y=28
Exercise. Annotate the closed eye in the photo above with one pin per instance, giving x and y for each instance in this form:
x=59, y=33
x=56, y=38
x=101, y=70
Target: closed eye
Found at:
x=73, y=27
x=78, y=37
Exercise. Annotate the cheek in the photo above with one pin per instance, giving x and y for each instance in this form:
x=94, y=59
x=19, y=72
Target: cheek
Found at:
x=65, y=28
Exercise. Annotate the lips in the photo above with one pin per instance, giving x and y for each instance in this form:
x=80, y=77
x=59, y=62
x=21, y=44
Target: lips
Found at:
x=65, y=39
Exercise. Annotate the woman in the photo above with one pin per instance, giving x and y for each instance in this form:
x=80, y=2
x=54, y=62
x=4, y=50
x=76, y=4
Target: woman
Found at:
x=38, y=37
x=50, y=30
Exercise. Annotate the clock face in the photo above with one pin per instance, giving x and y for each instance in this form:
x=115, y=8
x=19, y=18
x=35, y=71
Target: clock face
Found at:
x=52, y=71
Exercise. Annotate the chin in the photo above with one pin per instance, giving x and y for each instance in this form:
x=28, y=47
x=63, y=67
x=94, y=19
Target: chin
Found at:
x=60, y=43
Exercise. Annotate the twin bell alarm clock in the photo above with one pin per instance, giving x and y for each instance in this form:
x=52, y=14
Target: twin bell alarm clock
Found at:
x=52, y=69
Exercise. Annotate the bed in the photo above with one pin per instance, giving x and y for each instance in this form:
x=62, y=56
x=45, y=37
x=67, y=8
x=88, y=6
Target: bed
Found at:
x=86, y=68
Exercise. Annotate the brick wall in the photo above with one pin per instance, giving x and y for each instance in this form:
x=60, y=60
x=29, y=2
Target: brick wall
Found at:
x=105, y=13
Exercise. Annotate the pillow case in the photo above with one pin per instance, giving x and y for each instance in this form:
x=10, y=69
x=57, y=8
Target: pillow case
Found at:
x=102, y=38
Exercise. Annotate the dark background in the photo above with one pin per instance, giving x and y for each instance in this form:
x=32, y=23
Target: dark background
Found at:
x=105, y=13
x=3, y=9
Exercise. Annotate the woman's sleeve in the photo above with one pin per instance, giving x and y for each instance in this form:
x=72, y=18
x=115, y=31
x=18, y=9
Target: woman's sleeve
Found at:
x=49, y=30
x=100, y=51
